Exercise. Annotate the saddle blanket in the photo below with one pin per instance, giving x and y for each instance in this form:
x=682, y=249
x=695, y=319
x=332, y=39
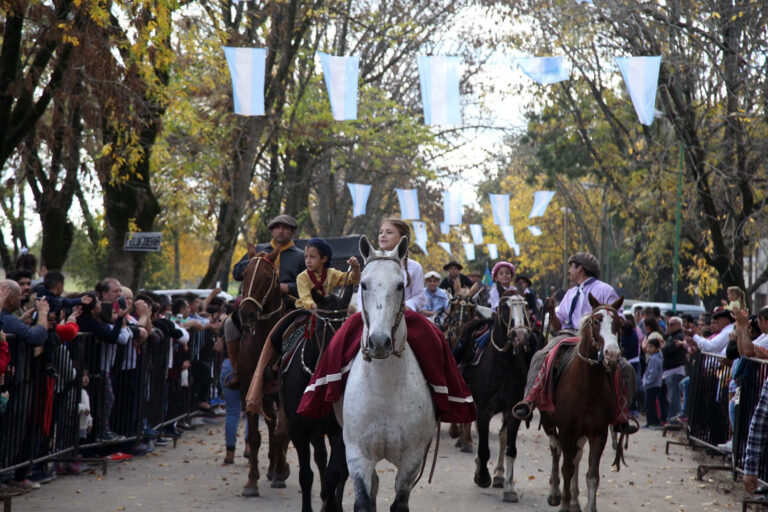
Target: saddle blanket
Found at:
x=453, y=401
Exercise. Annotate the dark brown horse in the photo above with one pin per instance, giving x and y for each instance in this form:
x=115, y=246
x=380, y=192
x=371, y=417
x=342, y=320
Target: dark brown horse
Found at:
x=584, y=404
x=259, y=310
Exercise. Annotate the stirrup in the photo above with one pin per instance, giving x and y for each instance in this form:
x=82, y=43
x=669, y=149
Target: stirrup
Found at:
x=628, y=427
x=522, y=411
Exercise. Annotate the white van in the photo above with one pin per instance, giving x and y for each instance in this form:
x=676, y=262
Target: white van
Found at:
x=690, y=309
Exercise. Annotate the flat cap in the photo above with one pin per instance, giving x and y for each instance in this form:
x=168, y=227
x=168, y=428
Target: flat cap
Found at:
x=725, y=313
x=284, y=219
x=587, y=261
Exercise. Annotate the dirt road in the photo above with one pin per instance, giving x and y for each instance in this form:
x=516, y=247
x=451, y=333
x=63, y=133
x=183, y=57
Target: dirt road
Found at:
x=192, y=477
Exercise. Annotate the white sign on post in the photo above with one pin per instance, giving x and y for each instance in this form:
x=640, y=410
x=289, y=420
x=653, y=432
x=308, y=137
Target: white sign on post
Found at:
x=143, y=242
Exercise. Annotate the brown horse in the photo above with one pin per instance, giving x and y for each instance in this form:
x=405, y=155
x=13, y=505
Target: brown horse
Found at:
x=584, y=404
x=260, y=309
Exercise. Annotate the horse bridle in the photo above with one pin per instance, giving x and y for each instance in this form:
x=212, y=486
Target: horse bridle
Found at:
x=515, y=300
x=594, y=343
x=328, y=323
x=260, y=303
x=364, y=341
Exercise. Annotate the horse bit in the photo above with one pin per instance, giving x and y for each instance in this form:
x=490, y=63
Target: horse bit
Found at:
x=364, y=343
x=260, y=304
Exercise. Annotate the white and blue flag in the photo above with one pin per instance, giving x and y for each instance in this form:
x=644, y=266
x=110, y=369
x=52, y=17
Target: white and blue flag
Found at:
x=409, y=203
x=446, y=247
x=500, y=208
x=544, y=70
x=509, y=235
x=469, y=251
x=535, y=230
x=541, y=200
x=246, y=67
x=360, y=194
x=420, y=235
x=445, y=228
x=493, y=251
x=641, y=74
x=477, y=233
x=340, y=75
x=439, y=77
x=452, y=208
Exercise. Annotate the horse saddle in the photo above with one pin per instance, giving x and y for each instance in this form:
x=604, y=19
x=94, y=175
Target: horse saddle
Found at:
x=291, y=340
x=561, y=356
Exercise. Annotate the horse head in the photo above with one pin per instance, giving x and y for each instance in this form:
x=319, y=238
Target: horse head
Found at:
x=261, y=289
x=600, y=332
x=513, y=321
x=461, y=309
x=382, y=294
x=331, y=310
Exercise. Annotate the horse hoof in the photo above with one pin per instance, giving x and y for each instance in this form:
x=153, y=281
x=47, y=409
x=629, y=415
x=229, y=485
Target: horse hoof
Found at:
x=553, y=501
x=283, y=474
x=270, y=474
x=250, y=492
x=277, y=484
x=483, y=480
x=575, y=508
x=467, y=448
x=498, y=482
x=511, y=497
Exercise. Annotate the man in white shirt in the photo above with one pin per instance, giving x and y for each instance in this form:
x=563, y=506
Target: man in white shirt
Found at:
x=722, y=326
x=747, y=346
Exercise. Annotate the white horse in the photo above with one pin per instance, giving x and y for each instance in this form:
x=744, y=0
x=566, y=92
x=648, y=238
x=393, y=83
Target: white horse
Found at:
x=387, y=410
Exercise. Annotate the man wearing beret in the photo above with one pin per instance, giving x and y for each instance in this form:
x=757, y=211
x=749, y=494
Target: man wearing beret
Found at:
x=584, y=271
x=454, y=268
x=289, y=264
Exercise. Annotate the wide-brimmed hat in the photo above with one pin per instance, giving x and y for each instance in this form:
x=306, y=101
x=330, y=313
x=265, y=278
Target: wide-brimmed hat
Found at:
x=283, y=219
x=430, y=274
x=587, y=261
x=725, y=313
x=523, y=277
x=453, y=263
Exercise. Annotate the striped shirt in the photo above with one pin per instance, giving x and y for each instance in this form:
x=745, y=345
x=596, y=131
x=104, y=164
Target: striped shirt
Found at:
x=758, y=434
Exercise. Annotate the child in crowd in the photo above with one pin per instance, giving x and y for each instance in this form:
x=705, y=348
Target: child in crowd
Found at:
x=736, y=299
x=652, y=379
x=319, y=274
x=86, y=420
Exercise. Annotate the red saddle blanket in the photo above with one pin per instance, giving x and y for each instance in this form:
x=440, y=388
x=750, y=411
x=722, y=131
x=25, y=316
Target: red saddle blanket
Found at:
x=541, y=394
x=453, y=401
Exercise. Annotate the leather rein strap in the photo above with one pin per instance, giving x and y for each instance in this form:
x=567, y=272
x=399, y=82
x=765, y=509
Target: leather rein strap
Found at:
x=260, y=303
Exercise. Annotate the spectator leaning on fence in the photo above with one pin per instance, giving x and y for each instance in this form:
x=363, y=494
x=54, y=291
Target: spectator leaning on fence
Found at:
x=674, y=354
x=722, y=325
x=747, y=346
x=756, y=442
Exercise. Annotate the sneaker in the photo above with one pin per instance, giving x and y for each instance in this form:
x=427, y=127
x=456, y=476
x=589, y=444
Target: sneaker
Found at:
x=161, y=441
x=25, y=485
x=726, y=446
x=110, y=436
x=78, y=467
x=43, y=476
x=150, y=432
x=185, y=426
x=119, y=457
x=196, y=422
x=216, y=401
x=219, y=411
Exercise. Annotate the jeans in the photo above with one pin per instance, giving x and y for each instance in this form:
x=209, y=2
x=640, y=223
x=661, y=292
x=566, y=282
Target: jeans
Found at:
x=232, y=399
x=673, y=394
x=684, y=384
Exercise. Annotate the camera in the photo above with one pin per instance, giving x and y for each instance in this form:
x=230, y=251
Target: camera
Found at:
x=121, y=302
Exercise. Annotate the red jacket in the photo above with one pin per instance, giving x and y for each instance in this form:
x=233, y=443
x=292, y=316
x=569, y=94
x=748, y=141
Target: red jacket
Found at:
x=5, y=356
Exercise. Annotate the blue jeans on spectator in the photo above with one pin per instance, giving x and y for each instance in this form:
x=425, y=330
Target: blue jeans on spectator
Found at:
x=684, y=384
x=232, y=400
x=673, y=395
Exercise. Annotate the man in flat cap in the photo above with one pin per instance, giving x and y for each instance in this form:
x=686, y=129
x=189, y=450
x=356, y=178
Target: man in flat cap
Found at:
x=289, y=264
x=584, y=271
x=454, y=272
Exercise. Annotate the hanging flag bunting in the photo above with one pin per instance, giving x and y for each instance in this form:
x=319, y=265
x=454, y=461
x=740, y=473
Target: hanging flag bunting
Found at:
x=641, y=74
x=246, y=67
x=469, y=250
x=439, y=77
x=340, y=75
x=509, y=235
x=359, y=197
x=446, y=247
x=445, y=228
x=452, y=208
x=493, y=251
x=477, y=233
x=516, y=248
x=544, y=70
x=535, y=230
x=541, y=200
x=409, y=203
x=420, y=235
x=500, y=209
x=585, y=2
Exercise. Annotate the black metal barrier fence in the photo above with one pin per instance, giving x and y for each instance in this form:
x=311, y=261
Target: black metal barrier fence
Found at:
x=129, y=387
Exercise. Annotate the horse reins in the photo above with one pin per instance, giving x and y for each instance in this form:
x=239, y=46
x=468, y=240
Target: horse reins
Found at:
x=327, y=323
x=260, y=304
x=516, y=300
x=401, y=312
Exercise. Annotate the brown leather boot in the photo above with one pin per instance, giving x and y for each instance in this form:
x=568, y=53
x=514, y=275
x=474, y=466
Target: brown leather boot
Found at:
x=233, y=350
x=230, y=457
